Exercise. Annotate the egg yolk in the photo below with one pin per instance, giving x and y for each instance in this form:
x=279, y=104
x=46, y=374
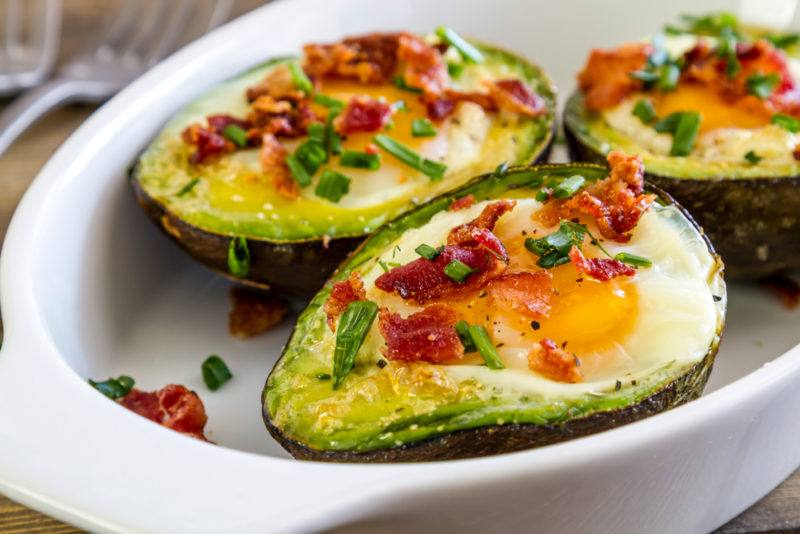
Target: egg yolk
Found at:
x=716, y=112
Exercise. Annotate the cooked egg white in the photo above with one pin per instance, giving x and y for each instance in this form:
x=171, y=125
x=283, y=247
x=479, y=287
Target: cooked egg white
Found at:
x=629, y=327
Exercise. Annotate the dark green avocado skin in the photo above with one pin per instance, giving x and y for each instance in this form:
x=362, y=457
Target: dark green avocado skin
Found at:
x=292, y=268
x=498, y=439
x=754, y=223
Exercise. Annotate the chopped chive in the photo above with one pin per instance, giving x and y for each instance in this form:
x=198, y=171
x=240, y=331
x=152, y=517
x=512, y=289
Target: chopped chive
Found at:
x=353, y=328
x=668, y=77
x=332, y=185
x=467, y=51
x=645, y=111
x=784, y=41
x=299, y=78
x=114, y=388
x=455, y=69
x=428, y=252
x=298, y=170
x=383, y=266
x=569, y=186
x=328, y=101
x=237, y=134
x=552, y=259
x=726, y=49
x=311, y=155
x=485, y=346
x=501, y=170
x=316, y=133
x=458, y=271
x=685, y=134
x=188, y=187
x=215, y=372
x=762, y=85
x=553, y=249
x=360, y=160
x=752, y=157
x=787, y=122
x=543, y=194
x=422, y=128
x=333, y=143
x=238, y=257
x=432, y=169
x=462, y=329
x=633, y=259
x=322, y=376
x=400, y=83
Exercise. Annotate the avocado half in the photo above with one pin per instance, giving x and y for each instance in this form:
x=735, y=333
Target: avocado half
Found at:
x=752, y=215
x=295, y=246
x=374, y=418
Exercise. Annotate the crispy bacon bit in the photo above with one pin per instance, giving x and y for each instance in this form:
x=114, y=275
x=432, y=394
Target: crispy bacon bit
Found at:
x=601, y=269
x=426, y=336
x=440, y=108
x=605, y=79
x=273, y=161
x=525, y=293
x=424, y=67
x=516, y=97
x=172, y=406
x=478, y=232
x=363, y=114
x=554, y=362
x=443, y=106
x=424, y=280
x=254, y=313
x=278, y=85
x=281, y=118
x=367, y=58
x=616, y=203
x=209, y=140
x=785, y=288
x=342, y=294
x=462, y=203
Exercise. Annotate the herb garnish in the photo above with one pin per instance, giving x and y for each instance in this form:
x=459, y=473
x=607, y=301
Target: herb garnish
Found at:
x=784, y=41
x=787, y=122
x=299, y=78
x=462, y=329
x=455, y=69
x=645, y=111
x=633, y=259
x=400, y=83
x=432, y=169
x=752, y=157
x=353, y=328
x=360, y=160
x=480, y=337
x=553, y=249
x=236, y=134
x=467, y=51
x=114, y=388
x=726, y=49
x=428, y=252
x=684, y=126
x=332, y=185
x=215, y=372
x=298, y=170
x=238, y=257
x=762, y=85
x=660, y=71
x=328, y=101
x=188, y=187
x=458, y=271
x=568, y=186
x=422, y=128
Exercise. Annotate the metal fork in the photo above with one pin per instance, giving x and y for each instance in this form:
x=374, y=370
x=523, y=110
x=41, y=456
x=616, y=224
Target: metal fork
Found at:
x=139, y=35
x=31, y=31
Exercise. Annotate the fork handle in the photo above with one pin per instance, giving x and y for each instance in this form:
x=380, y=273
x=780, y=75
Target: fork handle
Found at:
x=27, y=108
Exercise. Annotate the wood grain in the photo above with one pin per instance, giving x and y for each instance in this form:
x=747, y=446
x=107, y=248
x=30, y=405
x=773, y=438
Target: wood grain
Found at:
x=778, y=512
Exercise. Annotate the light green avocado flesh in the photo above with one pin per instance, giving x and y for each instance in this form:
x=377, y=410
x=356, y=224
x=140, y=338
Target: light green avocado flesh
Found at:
x=233, y=197
x=401, y=404
x=594, y=132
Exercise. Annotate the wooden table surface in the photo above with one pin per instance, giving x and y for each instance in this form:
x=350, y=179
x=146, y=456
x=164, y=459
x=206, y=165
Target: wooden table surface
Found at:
x=778, y=512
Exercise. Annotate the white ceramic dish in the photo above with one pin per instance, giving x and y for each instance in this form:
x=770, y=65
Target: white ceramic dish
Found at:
x=89, y=288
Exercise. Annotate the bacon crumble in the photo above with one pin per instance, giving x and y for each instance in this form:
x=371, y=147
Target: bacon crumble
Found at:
x=525, y=293
x=427, y=335
x=172, y=406
x=363, y=114
x=462, y=203
x=554, y=362
x=605, y=79
x=273, y=162
x=254, y=313
x=601, y=269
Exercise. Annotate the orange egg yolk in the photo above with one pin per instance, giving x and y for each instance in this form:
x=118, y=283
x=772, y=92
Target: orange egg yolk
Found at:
x=716, y=112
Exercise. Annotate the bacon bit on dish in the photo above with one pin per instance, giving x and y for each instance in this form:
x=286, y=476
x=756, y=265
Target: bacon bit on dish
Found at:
x=424, y=68
x=516, y=97
x=273, y=161
x=363, y=114
x=616, y=203
x=601, y=269
x=462, y=203
x=254, y=313
x=787, y=289
x=525, y=293
x=278, y=85
x=428, y=335
x=443, y=106
x=368, y=58
x=342, y=294
x=478, y=232
x=172, y=406
x=605, y=79
x=209, y=140
x=282, y=118
x=554, y=362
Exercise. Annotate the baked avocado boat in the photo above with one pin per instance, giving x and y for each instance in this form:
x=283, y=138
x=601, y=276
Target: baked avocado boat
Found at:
x=531, y=306
x=715, y=115
x=274, y=176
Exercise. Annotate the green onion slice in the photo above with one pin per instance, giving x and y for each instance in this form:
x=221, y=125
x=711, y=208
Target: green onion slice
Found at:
x=237, y=134
x=215, y=372
x=332, y=186
x=114, y=388
x=188, y=187
x=350, y=334
x=299, y=78
x=422, y=128
x=462, y=329
x=428, y=252
x=645, y=111
x=752, y=158
x=762, y=85
x=467, y=51
x=458, y=271
x=360, y=160
x=298, y=170
x=480, y=337
x=633, y=259
x=238, y=257
x=432, y=169
x=569, y=186
x=787, y=122
x=328, y=101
